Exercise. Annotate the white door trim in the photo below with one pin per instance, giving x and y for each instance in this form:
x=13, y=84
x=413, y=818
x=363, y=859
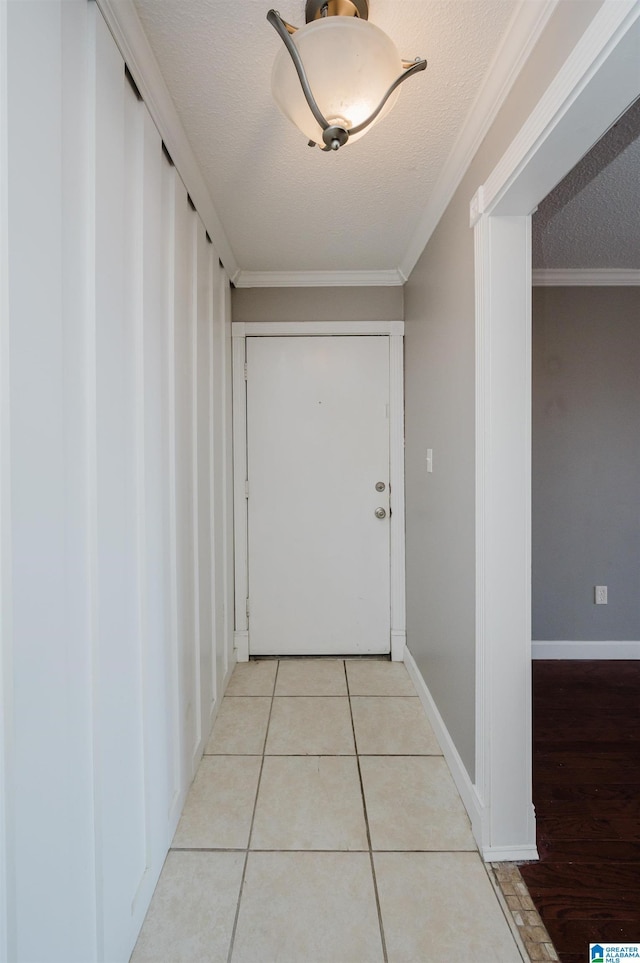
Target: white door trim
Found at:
x=597, y=82
x=257, y=329
x=395, y=332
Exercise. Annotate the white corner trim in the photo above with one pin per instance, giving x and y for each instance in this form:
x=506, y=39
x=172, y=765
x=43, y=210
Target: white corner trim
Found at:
x=606, y=29
x=586, y=277
x=460, y=775
x=396, y=493
x=266, y=329
x=318, y=279
x=398, y=645
x=523, y=32
x=123, y=22
x=569, y=649
x=8, y=934
x=503, y=535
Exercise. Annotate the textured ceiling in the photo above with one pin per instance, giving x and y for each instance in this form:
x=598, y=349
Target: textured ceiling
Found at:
x=592, y=218
x=285, y=206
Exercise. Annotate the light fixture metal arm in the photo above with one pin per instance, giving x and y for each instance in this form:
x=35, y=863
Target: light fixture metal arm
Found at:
x=414, y=68
x=280, y=26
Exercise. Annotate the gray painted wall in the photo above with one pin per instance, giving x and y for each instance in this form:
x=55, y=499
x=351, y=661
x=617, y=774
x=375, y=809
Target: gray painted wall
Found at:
x=317, y=304
x=440, y=411
x=586, y=463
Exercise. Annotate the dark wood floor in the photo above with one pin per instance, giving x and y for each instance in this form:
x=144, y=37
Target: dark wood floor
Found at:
x=586, y=790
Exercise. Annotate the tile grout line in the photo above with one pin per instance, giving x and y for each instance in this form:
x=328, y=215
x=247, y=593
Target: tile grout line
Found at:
x=366, y=822
x=310, y=695
x=326, y=755
x=227, y=849
x=253, y=816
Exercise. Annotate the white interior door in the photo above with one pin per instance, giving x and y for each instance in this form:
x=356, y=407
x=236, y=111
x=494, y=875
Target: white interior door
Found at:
x=317, y=445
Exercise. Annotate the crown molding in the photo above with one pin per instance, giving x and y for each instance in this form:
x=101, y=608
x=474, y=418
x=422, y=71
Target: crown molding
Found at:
x=523, y=32
x=318, y=279
x=585, y=277
x=127, y=31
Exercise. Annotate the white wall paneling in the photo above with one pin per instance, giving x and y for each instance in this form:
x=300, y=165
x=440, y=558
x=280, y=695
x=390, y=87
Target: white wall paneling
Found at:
x=7, y=864
x=176, y=673
x=221, y=464
x=241, y=632
x=160, y=730
x=118, y=668
x=49, y=779
x=203, y=342
x=183, y=471
x=114, y=491
x=226, y=656
x=215, y=532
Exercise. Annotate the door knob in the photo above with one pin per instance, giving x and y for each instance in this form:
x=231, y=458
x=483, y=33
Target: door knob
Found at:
x=380, y=513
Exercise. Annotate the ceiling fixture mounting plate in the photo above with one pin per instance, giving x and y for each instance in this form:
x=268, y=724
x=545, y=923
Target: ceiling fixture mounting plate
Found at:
x=315, y=9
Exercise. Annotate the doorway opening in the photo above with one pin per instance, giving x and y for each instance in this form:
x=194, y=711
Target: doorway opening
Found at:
x=319, y=488
x=596, y=85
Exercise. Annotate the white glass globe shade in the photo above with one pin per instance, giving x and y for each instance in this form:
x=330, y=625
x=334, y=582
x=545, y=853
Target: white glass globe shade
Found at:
x=350, y=65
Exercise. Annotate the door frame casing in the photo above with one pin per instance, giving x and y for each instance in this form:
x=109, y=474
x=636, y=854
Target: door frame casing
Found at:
x=394, y=330
x=596, y=84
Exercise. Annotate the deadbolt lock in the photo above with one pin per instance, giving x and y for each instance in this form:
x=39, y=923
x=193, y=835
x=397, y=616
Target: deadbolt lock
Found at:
x=380, y=486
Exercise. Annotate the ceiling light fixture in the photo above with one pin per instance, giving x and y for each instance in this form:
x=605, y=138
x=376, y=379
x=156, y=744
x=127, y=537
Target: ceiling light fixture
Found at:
x=339, y=74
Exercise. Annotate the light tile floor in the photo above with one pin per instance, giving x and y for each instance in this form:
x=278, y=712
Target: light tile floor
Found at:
x=323, y=825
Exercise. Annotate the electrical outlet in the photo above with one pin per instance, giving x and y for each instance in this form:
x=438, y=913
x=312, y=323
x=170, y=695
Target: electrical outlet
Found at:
x=600, y=595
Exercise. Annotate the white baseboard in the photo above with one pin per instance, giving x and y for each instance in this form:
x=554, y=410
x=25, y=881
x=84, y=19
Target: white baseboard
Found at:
x=585, y=650
x=460, y=775
x=231, y=664
x=179, y=799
